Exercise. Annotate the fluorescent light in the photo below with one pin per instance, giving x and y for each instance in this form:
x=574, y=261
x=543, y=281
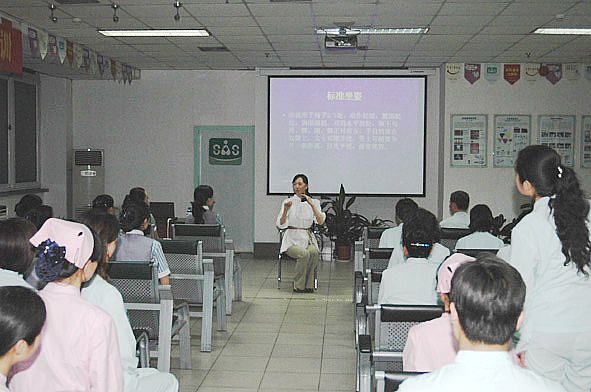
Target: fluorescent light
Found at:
x=572, y=31
x=385, y=30
x=155, y=33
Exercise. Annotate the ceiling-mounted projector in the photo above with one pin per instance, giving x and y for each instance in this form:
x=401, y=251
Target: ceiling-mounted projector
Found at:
x=340, y=41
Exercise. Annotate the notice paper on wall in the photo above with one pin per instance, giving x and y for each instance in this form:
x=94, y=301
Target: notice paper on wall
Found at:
x=512, y=134
x=586, y=141
x=468, y=140
x=346, y=130
x=558, y=132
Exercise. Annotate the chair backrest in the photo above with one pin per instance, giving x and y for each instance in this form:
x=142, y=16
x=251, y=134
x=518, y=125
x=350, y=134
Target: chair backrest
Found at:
x=371, y=236
x=476, y=252
x=378, y=258
x=162, y=209
x=185, y=257
x=137, y=281
x=449, y=236
x=213, y=236
x=394, y=321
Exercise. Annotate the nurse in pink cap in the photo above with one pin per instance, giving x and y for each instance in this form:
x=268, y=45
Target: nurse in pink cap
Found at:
x=79, y=350
x=431, y=344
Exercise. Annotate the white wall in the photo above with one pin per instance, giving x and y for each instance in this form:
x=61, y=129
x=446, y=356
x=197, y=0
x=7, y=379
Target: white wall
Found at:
x=495, y=186
x=146, y=130
x=55, y=104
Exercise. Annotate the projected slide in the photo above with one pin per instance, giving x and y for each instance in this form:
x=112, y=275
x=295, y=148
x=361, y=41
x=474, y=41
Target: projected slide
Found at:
x=367, y=133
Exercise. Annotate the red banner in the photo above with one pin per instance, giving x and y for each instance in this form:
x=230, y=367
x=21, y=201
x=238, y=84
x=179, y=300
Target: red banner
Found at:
x=512, y=72
x=11, y=48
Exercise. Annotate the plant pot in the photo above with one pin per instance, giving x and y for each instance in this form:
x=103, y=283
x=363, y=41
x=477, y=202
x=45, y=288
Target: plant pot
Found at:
x=343, y=252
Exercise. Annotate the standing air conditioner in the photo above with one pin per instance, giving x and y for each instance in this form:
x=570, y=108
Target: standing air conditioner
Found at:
x=88, y=179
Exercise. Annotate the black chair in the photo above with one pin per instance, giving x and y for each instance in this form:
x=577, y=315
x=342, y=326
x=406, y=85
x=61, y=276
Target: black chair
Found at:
x=476, y=252
x=163, y=212
x=284, y=255
x=449, y=236
x=372, y=235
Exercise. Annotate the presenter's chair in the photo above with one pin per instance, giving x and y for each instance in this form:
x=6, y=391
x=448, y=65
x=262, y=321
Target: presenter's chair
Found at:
x=284, y=255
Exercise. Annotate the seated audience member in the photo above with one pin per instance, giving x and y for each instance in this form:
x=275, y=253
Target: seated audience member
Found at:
x=104, y=202
x=202, y=207
x=134, y=246
x=26, y=204
x=458, y=205
x=431, y=345
x=16, y=252
x=487, y=299
x=392, y=237
x=482, y=224
x=413, y=281
x=99, y=292
x=79, y=350
x=22, y=315
x=39, y=215
x=138, y=195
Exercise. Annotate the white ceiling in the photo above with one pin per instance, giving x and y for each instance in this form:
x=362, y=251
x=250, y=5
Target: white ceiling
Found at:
x=261, y=33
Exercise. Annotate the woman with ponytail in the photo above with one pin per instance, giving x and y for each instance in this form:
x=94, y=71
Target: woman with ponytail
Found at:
x=202, y=206
x=79, y=350
x=551, y=248
x=134, y=246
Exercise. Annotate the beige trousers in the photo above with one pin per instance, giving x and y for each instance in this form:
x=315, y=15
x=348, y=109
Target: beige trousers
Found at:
x=306, y=265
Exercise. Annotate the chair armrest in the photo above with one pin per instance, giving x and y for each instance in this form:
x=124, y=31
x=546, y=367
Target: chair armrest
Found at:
x=229, y=244
x=365, y=344
x=165, y=292
x=208, y=265
x=387, y=356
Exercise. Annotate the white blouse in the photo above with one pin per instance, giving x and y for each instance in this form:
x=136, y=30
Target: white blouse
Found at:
x=299, y=217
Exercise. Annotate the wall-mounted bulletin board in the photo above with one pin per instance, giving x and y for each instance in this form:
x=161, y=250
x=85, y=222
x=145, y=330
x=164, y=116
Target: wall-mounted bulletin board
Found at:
x=468, y=140
x=558, y=132
x=586, y=141
x=511, y=134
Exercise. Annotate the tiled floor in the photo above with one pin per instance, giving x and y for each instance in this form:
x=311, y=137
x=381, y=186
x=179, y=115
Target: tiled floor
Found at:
x=278, y=340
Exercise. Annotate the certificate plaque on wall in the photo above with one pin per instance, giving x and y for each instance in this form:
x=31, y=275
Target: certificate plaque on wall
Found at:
x=512, y=133
x=586, y=141
x=468, y=140
x=558, y=132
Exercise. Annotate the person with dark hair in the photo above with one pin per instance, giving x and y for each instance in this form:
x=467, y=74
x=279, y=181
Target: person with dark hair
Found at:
x=432, y=344
x=458, y=207
x=296, y=216
x=26, y=204
x=551, y=248
x=413, y=281
x=104, y=202
x=79, y=350
x=138, y=195
x=39, y=215
x=482, y=224
x=99, y=292
x=16, y=252
x=392, y=237
x=22, y=315
x=202, y=206
x=133, y=245
x=486, y=306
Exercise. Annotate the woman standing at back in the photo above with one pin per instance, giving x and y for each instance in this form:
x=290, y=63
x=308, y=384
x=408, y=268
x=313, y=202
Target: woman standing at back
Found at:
x=551, y=249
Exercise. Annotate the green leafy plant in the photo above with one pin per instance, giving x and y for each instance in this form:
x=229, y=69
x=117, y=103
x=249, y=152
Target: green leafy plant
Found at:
x=343, y=226
x=379, y=222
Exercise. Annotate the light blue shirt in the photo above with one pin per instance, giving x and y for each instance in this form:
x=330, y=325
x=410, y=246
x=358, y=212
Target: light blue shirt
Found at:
x=391, y=238
x=459, y=220
x=480, y=240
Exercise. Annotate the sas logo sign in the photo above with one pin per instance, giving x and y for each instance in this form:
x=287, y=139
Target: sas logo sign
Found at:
x=223, y=151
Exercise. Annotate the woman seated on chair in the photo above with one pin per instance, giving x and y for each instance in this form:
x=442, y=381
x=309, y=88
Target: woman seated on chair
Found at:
x=296, y=216
x=202, y=207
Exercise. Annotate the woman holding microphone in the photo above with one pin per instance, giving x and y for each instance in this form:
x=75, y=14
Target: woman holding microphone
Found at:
x=297, y=215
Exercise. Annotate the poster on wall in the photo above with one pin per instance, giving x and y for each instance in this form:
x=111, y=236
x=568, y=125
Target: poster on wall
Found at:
x=468, y=140
x=558, y=132
x=586, y=141
x=511, y=133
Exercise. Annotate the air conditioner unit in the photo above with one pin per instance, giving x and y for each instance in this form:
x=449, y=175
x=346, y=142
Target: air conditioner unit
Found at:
x=88, y=179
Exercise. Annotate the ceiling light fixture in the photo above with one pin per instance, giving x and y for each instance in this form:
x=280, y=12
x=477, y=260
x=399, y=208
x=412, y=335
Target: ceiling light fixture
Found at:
x=115, y=7
x=156, y=33
x=52, y=17
x=566, y=31
x=177, y=5
x=372, y=30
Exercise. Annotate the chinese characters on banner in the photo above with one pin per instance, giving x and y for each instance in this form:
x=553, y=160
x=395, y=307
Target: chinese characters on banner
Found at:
x=468, y=140
x=358, y=131
x=511, y=134
x=586, y=141
x=558, y=132
x=11, y=48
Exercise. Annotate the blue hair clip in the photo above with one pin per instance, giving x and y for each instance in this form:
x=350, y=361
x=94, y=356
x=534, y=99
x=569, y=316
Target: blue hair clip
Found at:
x=420, y=245
x=51, y=257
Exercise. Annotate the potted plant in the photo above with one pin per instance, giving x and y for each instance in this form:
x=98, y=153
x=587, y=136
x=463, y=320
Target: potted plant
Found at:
x=343, y=226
